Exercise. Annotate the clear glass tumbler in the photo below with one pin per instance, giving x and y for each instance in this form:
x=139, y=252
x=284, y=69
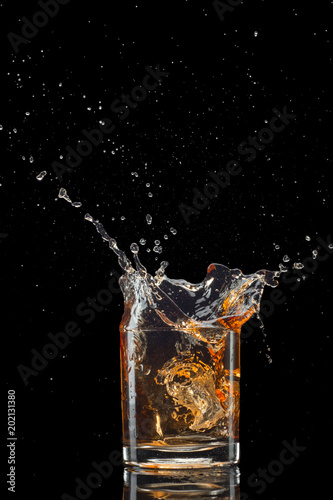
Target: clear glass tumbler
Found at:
x=180, y=397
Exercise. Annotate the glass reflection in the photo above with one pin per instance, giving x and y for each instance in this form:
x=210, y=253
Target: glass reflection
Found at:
x=203, y=484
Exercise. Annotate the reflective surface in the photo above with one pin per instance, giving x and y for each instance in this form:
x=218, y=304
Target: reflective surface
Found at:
x=218, y=483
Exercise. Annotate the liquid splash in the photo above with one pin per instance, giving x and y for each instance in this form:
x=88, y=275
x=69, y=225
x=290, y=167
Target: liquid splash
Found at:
x=190, y=326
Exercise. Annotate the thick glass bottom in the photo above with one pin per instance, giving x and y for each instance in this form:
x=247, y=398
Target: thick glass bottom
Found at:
x=217, y=454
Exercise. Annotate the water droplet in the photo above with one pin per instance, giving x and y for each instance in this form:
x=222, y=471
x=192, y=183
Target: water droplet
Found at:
x=41, y=176
x=142, y=241
x=1, y=127
x=166, y=237
x=330, y=246
x=298, y=265
x=307, y=238
x=157, y=242
x=286, y=258
x=314, y=254
x=88, y=217
x=148, y=184
x=31, y=159
x=149, y=219
x=63, y=194
x=157, y=249
x=134, y=248
x=255, y=33
x=77, y=204
x=277, y=247
x=173, y=230
x=122, y=217
x=150, y=195
x=27, y=113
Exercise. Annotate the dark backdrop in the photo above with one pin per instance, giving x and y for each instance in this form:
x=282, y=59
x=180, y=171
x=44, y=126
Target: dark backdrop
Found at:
x=227, y=73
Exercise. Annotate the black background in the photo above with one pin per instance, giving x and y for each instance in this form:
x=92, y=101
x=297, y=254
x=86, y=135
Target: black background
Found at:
x=223, y=83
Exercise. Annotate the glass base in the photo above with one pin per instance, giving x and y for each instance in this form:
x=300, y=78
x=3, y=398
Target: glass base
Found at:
x=218, y=454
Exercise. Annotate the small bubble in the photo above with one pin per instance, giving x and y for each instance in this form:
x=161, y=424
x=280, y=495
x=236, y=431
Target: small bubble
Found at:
x=142, y=241
x=149, y=219
x=173, y=231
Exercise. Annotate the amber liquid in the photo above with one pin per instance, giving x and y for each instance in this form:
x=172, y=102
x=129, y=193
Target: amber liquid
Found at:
x=180, y=392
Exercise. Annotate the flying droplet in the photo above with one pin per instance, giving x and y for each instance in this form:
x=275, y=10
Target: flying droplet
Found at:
x=63, y=194
x=134, y=248
x=41, y=176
